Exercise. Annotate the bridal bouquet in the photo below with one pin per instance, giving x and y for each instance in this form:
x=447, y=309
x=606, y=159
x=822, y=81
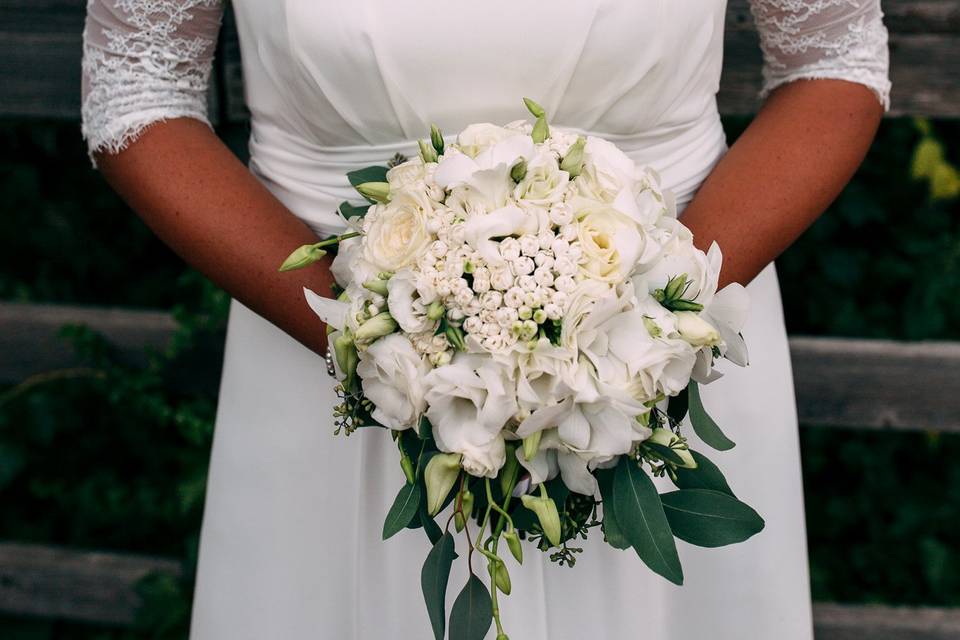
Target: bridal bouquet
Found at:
x=524, y=313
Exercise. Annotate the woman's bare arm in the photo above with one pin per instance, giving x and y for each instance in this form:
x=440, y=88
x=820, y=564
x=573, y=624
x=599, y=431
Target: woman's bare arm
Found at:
x=782, y=172
x=206, y=205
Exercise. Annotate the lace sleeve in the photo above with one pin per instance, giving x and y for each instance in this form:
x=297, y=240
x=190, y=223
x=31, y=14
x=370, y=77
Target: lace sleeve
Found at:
x=144, y=61
x=838, y=39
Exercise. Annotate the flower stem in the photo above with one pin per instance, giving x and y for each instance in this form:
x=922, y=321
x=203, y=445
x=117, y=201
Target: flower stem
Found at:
x=337, y=239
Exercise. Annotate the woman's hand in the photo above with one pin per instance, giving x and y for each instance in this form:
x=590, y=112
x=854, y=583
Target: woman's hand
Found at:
x=206, y=205
x=782, y=173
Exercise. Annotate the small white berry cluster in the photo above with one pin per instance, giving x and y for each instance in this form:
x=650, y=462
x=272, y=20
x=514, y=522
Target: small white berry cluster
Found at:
x=499, y=304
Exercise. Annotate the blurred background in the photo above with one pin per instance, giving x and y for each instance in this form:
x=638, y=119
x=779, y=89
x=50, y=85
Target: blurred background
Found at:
x=107, y=449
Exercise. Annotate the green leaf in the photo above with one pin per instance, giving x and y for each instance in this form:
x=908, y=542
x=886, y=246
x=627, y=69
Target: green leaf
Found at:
x=710, y=518
x=348, y=210
x=367, y=174
x=705, y=476
x=677, y=406
x=643, y=522
x=609, y=524
x=472, y=612
x=403, y=510
x=433, y=582
x=703, y=424
x=430, y=526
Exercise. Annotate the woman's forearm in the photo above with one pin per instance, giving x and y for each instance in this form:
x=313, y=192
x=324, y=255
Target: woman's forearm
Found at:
x=782, y=172
x=206, y=205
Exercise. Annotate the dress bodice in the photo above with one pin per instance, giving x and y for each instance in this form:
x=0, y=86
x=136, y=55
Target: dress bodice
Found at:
x=333, y=86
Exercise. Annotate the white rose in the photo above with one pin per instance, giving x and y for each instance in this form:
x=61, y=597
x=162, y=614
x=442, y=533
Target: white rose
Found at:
x=613, y=245
x=408, y=175
x=392, y=375
x=470, y=402
x=396, y=233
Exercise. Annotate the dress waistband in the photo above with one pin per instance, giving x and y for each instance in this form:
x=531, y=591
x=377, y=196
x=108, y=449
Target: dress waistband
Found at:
x=311, y=180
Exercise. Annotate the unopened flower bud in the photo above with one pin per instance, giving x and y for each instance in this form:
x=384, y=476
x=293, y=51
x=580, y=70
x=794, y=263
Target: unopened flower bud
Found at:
x=572, y=163
x=376, y=191
x=439, y=476
x=303, y=256
x=513, y=543
x=427, y=152
x=547, y=514
x=378, y=326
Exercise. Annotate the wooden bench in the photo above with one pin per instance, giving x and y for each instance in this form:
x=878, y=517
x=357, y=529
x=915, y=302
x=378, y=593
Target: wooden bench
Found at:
x=840, y=383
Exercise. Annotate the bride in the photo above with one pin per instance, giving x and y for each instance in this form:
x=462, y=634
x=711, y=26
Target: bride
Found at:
x=290, y=547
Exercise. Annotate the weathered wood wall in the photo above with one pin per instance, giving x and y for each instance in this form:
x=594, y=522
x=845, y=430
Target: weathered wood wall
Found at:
x=40, y=46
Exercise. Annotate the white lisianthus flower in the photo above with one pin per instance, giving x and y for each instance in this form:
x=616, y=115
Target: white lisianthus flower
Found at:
x=397, y=233
x=556, y=458
x=485, y=176
x=350, y=265
x=679, y=256
x=407, y=309
x=544, y=183
x=477, y=138
x=479, y=230
x=606, y=171
x=392, y=375
x=470, y=402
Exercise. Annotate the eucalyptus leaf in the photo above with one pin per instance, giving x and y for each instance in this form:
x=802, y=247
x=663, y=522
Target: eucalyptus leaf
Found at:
x=433, y=582
x=703, y=424
x=705, y=476
x=430, y=526
x=404, y=509
x=367, y=174
x=348, y=210
x=640, y=516
x=609, y=524
x=677, y=406
x=710, y=518
x=472, y=612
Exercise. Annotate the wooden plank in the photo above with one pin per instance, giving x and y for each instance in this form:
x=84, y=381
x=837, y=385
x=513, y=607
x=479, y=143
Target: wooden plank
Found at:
x=30, y=344
x=40, y=46
x=100, y=587
x=873, y=384
x=84, y=586
x=877, y=384
x=875, y=622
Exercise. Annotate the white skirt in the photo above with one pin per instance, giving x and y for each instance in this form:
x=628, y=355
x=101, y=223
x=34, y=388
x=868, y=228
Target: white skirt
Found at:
x=291, y=549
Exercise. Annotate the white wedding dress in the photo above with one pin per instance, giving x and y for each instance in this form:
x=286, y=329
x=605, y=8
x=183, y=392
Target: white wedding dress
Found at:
x=291, y=548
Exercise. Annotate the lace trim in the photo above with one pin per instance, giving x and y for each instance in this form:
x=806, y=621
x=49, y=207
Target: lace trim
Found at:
x=142, y=67
x=823, y=39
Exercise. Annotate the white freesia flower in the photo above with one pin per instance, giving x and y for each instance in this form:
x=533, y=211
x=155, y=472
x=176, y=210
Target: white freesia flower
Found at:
x=470, y=402
x=392, y=375
x=397, y=233
x=477, y=138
